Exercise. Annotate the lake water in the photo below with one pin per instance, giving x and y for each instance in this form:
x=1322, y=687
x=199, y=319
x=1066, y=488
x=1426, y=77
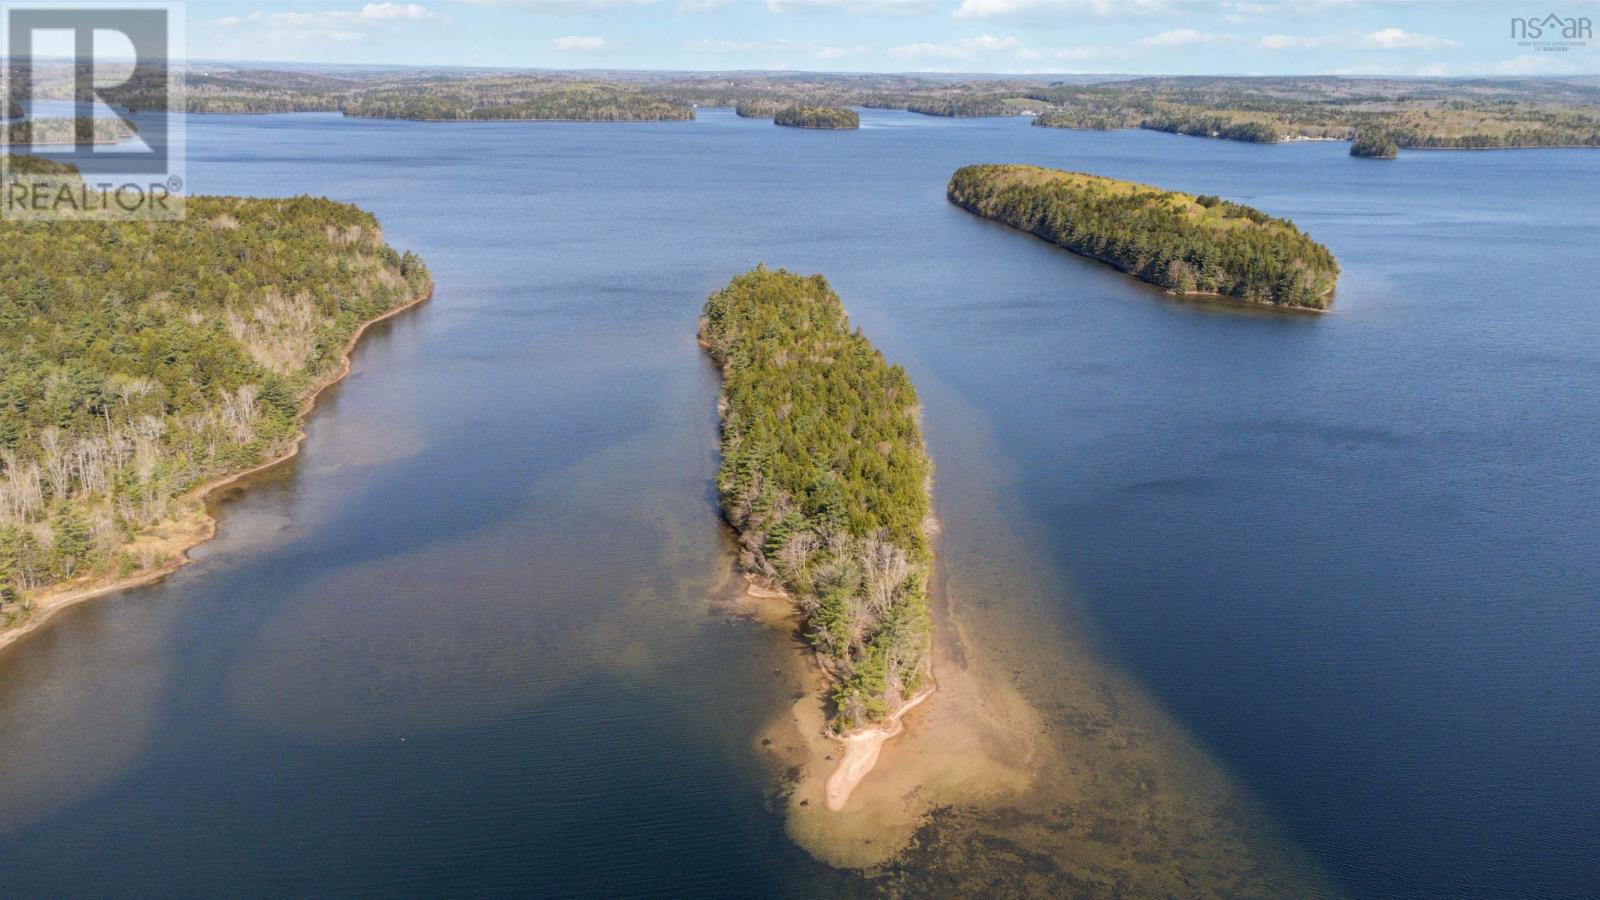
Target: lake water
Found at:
x=470, y=640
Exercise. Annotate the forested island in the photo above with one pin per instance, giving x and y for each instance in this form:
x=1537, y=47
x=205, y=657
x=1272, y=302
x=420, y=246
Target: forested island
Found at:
x=1188, y=244
x=1374, y=145
x=826, y=117
x=141, y=361
x=825, y=478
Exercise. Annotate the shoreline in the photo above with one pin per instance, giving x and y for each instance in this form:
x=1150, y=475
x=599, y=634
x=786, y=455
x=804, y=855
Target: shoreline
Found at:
x=862, y=748
x=195, y=522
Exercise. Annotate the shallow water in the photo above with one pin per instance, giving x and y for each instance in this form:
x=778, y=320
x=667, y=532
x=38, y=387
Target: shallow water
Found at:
x=1333, y=577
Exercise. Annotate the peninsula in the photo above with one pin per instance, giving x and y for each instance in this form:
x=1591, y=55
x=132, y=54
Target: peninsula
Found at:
x=825, y=478
x=143, y=364
x=1186, y=243
x=826, y=117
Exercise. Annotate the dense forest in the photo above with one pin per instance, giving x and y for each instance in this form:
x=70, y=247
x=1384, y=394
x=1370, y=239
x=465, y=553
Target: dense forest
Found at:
x=141, y=359
x=490, y=99
x=1185, y=243
x=825, y=477
x=1374, y=145
x=828, y=117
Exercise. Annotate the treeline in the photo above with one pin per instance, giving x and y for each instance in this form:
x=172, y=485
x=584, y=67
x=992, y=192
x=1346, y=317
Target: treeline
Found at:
x=140, y=359
x=1185, y=243
x=825, y=478
x=759, y=109
x=831, y=117
x=564, y=101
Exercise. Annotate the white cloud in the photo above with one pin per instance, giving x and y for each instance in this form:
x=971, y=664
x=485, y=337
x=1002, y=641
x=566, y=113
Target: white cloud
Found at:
x=1069, y=54
x=1312, y=7
x=395, y=12
x=999, y=52
x=1542, y=64
x=815, y=51
x=338, y=26
x=583, y=43
x=854, y=7
x=987, y=9
x=702, y=6
x=1382, y=39
x=1181, y=37
x=965, y=48
x=1396, y=39
x=711, y=45
x=1291, y=42
x=840, y=52
x=562, y=6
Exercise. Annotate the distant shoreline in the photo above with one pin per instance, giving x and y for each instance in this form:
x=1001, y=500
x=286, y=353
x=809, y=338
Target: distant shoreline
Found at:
x=196, y=523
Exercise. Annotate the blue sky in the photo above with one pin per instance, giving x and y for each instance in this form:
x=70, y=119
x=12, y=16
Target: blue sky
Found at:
x=1401, y=37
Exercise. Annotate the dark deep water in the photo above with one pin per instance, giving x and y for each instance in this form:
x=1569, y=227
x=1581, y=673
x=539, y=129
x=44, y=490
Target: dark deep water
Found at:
x=464, y=642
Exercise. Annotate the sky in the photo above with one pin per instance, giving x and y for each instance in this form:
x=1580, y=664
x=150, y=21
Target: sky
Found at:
x=1246, y=37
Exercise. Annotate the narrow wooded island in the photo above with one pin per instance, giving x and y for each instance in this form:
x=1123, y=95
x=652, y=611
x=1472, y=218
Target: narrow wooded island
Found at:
x=825, y=478
x=831, y=118
x=142, y=363
x=1186, y=243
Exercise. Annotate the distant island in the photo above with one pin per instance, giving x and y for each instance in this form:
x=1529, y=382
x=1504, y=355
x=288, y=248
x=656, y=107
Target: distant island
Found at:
x=1188, y=244
x=1374, y=145
x=143, y=365
x=826, y=117
x=825, y=478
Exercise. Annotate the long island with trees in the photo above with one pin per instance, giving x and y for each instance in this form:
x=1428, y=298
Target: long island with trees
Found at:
x=1186, y=243
x=143, y=361
x=826, y=117
x=825, y=478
